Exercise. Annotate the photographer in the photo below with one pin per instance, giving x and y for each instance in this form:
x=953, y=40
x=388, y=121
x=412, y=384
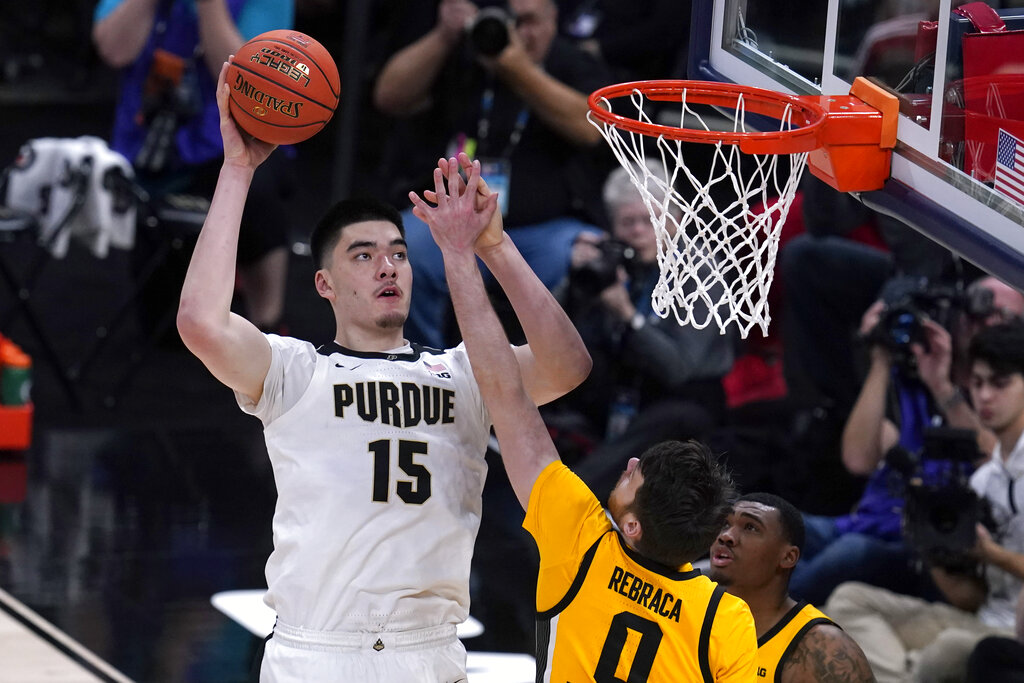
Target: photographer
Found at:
x=912, y=351
x=169, y=54
x=911, y=384
x=906, y=638
x=652, y=379
x=498, y=84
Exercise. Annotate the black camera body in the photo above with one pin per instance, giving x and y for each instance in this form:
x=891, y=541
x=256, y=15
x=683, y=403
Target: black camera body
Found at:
x=901, y=324
x=489, y=32
x=598, y=274
x=941, y=509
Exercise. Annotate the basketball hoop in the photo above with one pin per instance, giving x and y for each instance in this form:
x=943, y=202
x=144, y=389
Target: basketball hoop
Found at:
x=718, y=235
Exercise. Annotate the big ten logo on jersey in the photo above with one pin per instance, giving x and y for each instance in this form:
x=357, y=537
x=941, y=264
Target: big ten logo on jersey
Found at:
x=271, y=58
x=762, y=672
x=400, y=405
x=438, y=370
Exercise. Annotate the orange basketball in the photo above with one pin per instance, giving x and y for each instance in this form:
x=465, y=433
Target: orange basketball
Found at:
x=284, y=87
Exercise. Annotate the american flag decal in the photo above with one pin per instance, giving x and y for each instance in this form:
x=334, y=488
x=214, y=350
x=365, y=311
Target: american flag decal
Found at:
x=436, y=367
x=1009, y=178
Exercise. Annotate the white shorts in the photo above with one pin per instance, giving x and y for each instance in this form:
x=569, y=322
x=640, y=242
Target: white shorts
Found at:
x=430, y=655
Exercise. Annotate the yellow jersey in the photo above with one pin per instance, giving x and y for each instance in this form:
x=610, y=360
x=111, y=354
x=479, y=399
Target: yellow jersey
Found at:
x=775, y=646
x=605, y=613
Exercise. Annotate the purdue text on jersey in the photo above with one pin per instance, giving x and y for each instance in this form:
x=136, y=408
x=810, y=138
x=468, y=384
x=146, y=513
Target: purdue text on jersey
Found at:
x=399, y=405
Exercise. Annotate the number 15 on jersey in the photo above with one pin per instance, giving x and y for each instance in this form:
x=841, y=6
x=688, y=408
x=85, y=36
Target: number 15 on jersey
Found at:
x=413, y=490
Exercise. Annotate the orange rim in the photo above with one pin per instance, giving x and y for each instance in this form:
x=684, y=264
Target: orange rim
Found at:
x=806, y=116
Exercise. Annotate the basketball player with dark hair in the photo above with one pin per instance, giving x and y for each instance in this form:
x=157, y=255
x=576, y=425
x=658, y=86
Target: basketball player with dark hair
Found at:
x=617, y=597
x=377, y=444
x=753, y=558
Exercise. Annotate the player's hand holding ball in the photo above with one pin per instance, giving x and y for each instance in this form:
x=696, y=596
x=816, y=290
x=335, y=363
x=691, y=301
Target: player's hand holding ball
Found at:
x=239, y=147
x=283, y=86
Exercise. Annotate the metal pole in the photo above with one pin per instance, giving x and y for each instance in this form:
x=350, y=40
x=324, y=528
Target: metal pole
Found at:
x=352, y=69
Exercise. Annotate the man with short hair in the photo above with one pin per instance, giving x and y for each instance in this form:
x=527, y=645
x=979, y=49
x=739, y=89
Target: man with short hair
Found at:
x=753, y=558
x=377, y=443
x=617, y=597
x=522, y=111
x=906, y=638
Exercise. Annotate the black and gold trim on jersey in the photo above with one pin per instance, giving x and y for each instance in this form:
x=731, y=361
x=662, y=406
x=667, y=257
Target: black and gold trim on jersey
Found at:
x=543, y=632
x=775, y=638
x=703, y=649
x=417, y=350
x=581, y=574
x=668, y=572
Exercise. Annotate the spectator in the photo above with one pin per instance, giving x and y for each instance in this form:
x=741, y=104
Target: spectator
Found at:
x=753, y=558
x=992, y=302
x=907, y=637
x=165, y=120
x=522, y=112
x=638, y=40
x=653, y=379
x=867, y=545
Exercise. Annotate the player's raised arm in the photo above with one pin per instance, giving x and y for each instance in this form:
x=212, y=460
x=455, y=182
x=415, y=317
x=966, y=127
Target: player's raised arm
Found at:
x=231, y=347
x=455, y=223
x=554, y=360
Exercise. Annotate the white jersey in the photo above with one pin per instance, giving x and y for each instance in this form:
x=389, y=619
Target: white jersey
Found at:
x=999, y=482
x=379, y=464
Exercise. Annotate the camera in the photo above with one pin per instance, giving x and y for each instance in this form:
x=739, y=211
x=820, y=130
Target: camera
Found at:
x=488, y=34
x=941, y=509
x=981, y=306
x=900, y=327
x=600, y=273
x=901, y=324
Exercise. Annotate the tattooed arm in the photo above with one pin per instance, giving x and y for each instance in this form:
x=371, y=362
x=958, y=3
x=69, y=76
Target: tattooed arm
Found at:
x=826, y=654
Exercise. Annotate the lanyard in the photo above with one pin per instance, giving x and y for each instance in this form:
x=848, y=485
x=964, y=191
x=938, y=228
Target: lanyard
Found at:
x=483, y=125
x=914, y=412
x=640, y=286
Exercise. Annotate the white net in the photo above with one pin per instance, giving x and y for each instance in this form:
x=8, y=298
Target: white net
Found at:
x=717, y=224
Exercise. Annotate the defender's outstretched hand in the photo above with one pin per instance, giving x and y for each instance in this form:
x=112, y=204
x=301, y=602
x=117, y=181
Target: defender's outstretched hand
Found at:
x=239, y=146
x=461, y=213
x=494, y=233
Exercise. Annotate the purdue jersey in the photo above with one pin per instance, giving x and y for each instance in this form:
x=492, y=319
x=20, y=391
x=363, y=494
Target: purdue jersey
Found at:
x=379, y=464
x=606, y=613
x=775, y=647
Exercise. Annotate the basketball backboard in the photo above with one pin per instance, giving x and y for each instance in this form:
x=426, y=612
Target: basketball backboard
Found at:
x=943, y=168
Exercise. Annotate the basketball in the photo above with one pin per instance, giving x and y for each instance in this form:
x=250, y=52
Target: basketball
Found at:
x=284, y=87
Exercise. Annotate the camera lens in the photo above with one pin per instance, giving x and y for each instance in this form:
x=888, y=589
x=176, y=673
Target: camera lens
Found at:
x=904, y=328
x=603, y=271
x=489, y=32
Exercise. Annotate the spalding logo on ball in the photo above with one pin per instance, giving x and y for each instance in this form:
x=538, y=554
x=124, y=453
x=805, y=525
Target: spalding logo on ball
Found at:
x=284, y=87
